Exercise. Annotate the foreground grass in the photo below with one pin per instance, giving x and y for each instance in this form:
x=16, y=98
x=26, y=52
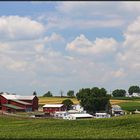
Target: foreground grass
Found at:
x=117, y=127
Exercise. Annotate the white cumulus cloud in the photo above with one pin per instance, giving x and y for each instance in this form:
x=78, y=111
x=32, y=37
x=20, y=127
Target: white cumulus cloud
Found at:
x=84, y=46
x=16, y=27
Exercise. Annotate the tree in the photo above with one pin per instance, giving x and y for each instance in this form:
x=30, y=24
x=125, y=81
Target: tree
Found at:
x=34, y=93
x=94, y=100
x=61, y=93
x=70, y=93
x=67, y=103
x=119, y=93
x=133, y=89
x=48, y=94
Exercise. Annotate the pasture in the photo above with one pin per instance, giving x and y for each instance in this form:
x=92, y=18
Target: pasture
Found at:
x=117, y=127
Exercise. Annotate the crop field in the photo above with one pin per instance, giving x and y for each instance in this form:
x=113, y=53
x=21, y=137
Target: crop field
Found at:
x=117, y=127
x=55, y=100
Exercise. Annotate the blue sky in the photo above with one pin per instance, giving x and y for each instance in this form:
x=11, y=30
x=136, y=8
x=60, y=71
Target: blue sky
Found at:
x=68, y=45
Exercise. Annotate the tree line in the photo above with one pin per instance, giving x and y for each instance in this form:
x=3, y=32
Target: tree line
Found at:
x=70, y=94
x=115, y=93
x=94, y=99
x=122, y=92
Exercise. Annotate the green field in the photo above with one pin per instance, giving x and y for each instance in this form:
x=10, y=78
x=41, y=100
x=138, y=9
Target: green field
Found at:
x=116, y=127
x=130, y=106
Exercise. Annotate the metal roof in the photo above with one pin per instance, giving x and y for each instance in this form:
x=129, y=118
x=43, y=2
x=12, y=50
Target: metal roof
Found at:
x=13, y=106
x=81, y=115
x=101, y=113
x=22, y=102
x=53, y=105
x=18, y=97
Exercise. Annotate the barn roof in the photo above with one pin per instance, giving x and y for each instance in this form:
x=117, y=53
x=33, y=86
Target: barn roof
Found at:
x=53, y=105
x=17, y=97
x=21, y=102
x=13, y=106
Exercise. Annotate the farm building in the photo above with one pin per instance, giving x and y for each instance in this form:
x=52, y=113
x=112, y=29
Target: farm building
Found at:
x=52, y=108
x=116, y=110
x=60, y=114
x=77, y=107
x=13, y=103
x=77, y=116
x=133, y=95
x=102, y=115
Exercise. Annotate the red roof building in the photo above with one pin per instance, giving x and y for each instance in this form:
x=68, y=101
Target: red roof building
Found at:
x=13, y=103
x=52, y=108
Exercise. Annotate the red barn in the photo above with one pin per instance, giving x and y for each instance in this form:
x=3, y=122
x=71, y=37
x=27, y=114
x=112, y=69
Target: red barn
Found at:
x=13, y=103
x=52, y=108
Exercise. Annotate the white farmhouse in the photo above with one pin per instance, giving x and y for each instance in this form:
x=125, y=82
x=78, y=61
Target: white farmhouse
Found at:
x=136, y=94
x=60, y=114
x=133, y=95
x=116, y=110
x=77, y=107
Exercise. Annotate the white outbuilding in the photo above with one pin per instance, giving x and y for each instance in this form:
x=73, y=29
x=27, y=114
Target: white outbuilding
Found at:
x=77, y=107
x=60, y=114
x=77, y=116
x=102, y=115
x=116, y=110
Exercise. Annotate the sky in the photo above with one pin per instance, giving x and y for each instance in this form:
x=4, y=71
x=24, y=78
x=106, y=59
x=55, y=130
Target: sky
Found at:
x=60, y=46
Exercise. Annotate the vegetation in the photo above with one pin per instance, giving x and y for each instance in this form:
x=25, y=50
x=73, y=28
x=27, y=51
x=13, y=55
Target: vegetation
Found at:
x=70, y=93
x=67, y=103
x=48, y=94
x=94, y=100
x=125, y=127
x=130, y=106
x=119, y=93
x=133, y=89
x=34, y=93
x=125, y=98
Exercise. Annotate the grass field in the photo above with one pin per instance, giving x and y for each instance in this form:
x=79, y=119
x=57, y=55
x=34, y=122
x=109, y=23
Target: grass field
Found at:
x=130, y=106
x=116, y=127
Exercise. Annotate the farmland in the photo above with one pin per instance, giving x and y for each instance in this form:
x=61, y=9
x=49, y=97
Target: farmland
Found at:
x=54, y=100
x=128, y=104
x=117, y=127
x=57, y=100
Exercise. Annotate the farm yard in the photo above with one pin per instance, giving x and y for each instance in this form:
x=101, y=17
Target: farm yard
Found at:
x=124, y=127
x=117, y=127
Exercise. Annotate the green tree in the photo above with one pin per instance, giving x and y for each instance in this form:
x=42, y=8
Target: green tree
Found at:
x=133, y=89
x=70, y=93
x=67, y=103
x=119, y=93
x=48, y=94
x=34, y=93
x=94, y=100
